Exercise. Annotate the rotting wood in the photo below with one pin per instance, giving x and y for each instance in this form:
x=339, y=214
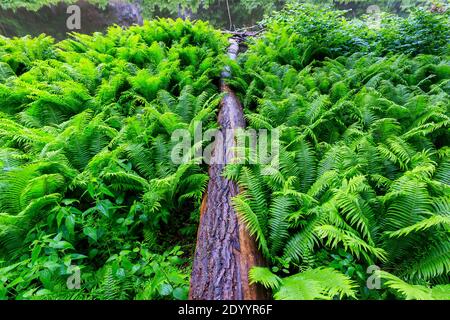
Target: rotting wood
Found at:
x=225, y=251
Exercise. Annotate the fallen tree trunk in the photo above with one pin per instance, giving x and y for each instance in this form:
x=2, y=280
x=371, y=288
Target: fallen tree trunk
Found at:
x=225, y=251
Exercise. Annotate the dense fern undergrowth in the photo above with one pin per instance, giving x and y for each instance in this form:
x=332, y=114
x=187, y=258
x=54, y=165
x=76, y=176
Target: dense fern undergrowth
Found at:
x=86, y=174
x=361, y=193
x=358, y=208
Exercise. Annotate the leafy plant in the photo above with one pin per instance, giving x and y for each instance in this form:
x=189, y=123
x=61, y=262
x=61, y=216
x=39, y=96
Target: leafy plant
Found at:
x=321, y=283
x=86, y=175
x=88, y=186
x=301, y=33
x=361, y=178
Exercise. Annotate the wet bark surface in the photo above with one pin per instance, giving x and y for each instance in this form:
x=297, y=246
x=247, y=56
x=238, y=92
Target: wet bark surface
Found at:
x=225, y=252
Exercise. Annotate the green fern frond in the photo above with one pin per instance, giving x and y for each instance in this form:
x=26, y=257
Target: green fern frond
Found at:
x=434, y=263
x=415, y=292
x=425, y=224
x=321, y=283
x=265, y=277
x=251, y=221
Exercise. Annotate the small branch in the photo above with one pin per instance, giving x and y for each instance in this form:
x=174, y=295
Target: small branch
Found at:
x=259, y=26
x=246, y=31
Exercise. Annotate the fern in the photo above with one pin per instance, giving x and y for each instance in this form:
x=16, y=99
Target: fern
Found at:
x=86, y=173
x=265, y=277
x=362, y=168
x=321, y=283
x=415, y=292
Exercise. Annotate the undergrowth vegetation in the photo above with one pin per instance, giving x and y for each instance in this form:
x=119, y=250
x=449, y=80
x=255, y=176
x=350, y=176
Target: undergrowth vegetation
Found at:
x=356, y=207
x=86, y=179
x=362, y=190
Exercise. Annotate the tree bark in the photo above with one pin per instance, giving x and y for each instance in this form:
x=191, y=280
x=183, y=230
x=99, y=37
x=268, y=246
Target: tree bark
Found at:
x=225, y=251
